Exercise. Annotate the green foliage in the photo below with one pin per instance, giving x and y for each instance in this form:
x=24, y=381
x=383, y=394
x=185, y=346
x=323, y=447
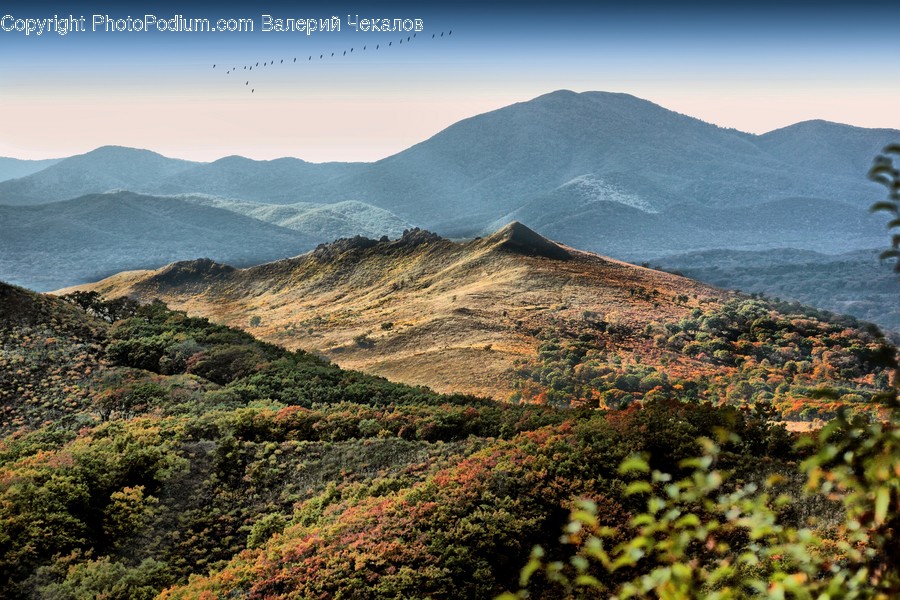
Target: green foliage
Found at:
x=702, y=537
x=199, y=459
x=108, y=310
x=105, y=578
x=265, y=528
x=742, y=352
x=886, y=173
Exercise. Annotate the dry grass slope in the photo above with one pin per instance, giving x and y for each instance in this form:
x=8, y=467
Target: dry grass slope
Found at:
x=422, y=309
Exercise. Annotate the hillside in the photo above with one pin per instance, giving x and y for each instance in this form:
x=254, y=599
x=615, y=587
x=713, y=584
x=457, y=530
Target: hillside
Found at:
x=541, y=321
x=174, y=458
x=317, y=221
x=101, y=170
x=47, y=246
x=854, y=283
x=604, y=172
x=419, y=309
x=280, y=181
x=13, y=168
x=150, y=453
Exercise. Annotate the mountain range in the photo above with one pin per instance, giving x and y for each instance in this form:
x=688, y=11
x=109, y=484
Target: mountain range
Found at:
x=472, y=316
x=14, y=168
x=605, y=172
x=420, y=309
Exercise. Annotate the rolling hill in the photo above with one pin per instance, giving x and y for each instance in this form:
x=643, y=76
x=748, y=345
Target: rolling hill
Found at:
x=148, y=454
x=318, y=221
x=14, y=168
x=854, y=283
x=510, y=316
x=46, y=246
x=401, y=308
x=281, y=181
x=605, y=155
x=603, y=172
x=102, y=170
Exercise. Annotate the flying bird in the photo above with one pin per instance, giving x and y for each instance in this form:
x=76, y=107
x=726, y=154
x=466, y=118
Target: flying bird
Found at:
x=214, y=66
x=345, y=53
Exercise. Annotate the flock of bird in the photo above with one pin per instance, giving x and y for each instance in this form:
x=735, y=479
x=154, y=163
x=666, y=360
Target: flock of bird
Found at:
x=257, y=65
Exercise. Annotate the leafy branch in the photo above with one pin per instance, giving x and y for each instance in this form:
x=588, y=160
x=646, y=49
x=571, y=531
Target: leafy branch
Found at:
x=885, y=172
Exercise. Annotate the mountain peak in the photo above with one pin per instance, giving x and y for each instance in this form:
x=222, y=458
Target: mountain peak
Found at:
x=518, y=238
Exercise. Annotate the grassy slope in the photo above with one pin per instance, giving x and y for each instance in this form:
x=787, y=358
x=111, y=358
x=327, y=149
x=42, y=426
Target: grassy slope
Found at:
x=422, y=309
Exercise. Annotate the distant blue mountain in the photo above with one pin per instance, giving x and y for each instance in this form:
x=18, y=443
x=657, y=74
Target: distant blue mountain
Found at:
x=605, y=171
x=13, y=168
x=49, y=246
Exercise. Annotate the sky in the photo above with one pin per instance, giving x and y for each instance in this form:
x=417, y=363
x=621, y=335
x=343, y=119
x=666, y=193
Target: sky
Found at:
x=753, y=66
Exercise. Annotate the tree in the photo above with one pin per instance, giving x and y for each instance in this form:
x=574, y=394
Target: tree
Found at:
x=887, y=174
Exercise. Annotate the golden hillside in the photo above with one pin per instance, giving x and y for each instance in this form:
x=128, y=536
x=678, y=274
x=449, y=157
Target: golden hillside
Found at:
x=422, y=309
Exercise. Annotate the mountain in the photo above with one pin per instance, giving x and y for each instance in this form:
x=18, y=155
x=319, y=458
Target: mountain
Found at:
x=510, y=315
x=600, y=171
x=13, y=168
x=50, y=245
x=318, y=221
x=614, y=148
x=854, y=283
x=626, y=231
x=101, y=170
x=825, y=147
x=281, y=181
x=490, y=164
x=571, y=161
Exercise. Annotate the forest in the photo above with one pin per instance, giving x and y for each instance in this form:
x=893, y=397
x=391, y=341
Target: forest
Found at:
x=146, y=453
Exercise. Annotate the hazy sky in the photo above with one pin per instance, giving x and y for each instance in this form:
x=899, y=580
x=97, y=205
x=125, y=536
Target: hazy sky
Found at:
x=753, y=66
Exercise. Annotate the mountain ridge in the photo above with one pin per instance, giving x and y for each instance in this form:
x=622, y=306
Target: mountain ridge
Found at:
x=47, y=246
x=420, y=308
